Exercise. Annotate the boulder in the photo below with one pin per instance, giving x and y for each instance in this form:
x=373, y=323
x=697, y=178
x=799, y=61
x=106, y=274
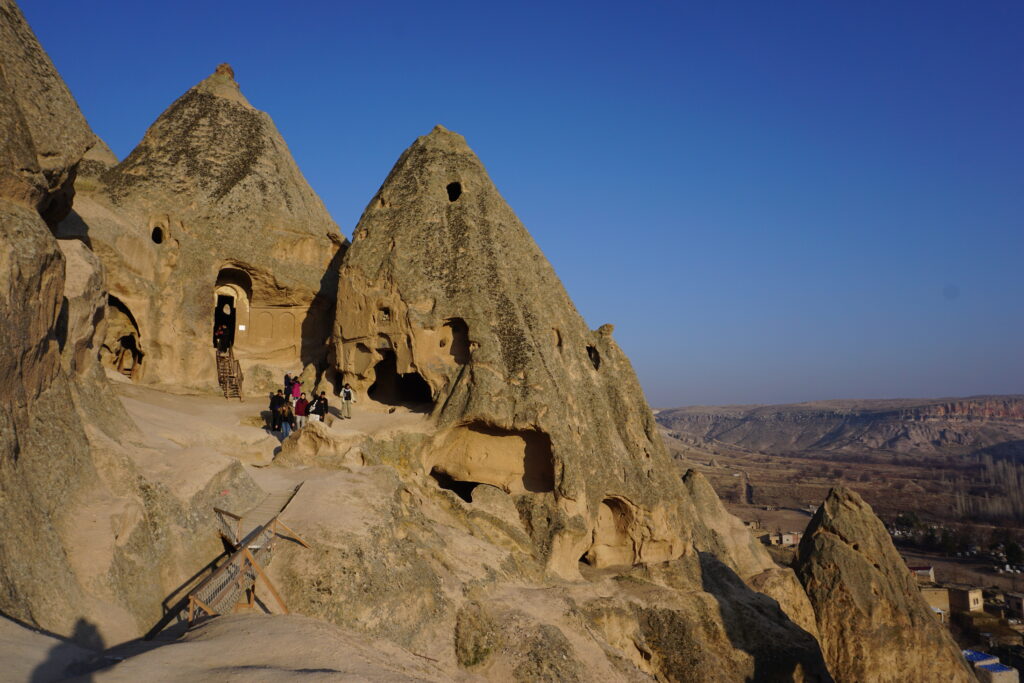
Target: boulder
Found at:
x=873, y=623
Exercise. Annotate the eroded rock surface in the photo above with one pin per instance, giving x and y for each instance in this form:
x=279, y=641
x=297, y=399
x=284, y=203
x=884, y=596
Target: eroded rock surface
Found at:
x=867, y=604
x=90, y=545
x=447, y=304
x=209, y=221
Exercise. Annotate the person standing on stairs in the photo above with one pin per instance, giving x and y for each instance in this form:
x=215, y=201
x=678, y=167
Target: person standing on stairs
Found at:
x=348, y=397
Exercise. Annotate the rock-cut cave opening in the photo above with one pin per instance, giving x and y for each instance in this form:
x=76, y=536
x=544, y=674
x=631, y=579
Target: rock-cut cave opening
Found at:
x=122, y=346
x=463, y=489
x=454, y=191
x=612, y=543
x=517, y=461
x=595, y=357
x=394, y=389
x=459, y=347
x=158, y=235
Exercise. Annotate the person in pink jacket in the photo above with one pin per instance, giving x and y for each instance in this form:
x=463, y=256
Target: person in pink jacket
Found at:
x=296, y=390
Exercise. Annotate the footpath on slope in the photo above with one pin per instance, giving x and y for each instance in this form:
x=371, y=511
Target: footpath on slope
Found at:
x=190, y=438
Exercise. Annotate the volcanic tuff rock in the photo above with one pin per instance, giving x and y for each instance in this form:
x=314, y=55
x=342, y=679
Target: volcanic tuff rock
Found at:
x=211, y=203
x=442, y=281
x=939, y=426
x=460, y=535
x=396, y=557
x=82, y=527
x=873, y=623
x=539, y=426
x=44, y=134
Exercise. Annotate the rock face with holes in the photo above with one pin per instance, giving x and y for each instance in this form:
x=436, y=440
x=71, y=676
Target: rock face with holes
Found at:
x=447, y=303
x=867, y=604
x=209, y=222
x=83, y=525
x=553, y=469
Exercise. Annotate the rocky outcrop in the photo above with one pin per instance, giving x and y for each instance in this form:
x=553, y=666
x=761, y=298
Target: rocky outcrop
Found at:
x=83, y=528
x=941, y=426
x=725, y=537
x=463, y=583
x=873, y=623
x=207, y=222
x=539, y=459
x=44, y=134
x=447, y=305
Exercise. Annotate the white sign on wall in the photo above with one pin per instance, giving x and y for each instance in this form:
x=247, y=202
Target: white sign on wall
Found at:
x=241, y=328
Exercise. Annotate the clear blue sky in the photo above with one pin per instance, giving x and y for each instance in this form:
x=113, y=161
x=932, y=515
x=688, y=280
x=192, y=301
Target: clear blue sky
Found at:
x=772, y=201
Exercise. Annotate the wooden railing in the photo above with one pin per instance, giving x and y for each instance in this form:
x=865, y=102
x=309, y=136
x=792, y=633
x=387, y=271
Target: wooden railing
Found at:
x=232, y=584
x=229, y=374
x=223, y=591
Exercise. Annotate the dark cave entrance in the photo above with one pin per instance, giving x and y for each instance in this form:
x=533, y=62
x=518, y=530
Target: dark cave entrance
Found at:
x=392, y=389
x=122, y=348
x=463, y=489
x=224, y=315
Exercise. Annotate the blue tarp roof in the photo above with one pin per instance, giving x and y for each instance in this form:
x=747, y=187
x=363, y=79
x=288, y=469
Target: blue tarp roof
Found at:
x=975, y=656
x=994, y=668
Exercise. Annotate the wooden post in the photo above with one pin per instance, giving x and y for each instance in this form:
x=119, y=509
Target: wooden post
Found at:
x=206, y=608
x=294, y=536
x=266, y=580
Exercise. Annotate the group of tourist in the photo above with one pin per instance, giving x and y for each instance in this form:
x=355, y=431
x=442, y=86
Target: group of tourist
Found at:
x=289, y=409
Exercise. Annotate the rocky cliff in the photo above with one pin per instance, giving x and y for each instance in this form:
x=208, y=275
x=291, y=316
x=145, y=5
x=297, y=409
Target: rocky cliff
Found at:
x=83, y=528
x=873, y=623
x=946, y=426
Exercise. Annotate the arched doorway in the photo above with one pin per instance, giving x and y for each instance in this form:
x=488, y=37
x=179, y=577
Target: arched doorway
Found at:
x=232, y=296
x=122, y=345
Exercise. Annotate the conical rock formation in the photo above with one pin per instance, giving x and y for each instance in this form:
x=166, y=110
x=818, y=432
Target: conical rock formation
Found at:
x=210, y=209
x=446, y=300
x=873, y=623
x=83, y=526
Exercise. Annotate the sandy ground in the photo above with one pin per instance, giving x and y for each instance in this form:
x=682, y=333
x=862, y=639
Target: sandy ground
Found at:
x=182, y=441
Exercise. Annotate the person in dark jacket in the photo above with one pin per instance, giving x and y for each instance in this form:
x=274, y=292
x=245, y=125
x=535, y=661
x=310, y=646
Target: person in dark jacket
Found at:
x=275, y=416
x=322, y=406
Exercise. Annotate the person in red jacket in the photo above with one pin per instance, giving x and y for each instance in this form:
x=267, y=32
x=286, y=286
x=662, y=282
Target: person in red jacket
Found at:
x=300, y=410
